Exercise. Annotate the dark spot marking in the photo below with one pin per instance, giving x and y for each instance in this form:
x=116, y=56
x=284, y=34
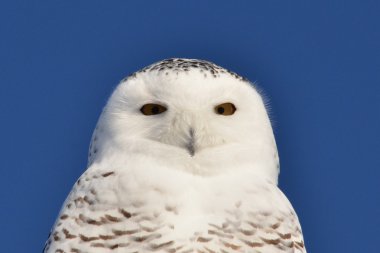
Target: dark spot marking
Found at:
x=284, y=236
x=88, y=238
x=78, y=201
x=232, y=246
x=300, y=244
x=107, y=237
x=124, y=232
x=89, y=221
x=108, y=174
x=247, y=232
x=203, y=239
x=253, y=244
x=88, y=201
x=55, y=236
x=271, y=241
x=67, y=234
x=162, y=245
x=276, y=225
x=220, y=234
x=98, y=245
x=112, y=218
x=125, y=213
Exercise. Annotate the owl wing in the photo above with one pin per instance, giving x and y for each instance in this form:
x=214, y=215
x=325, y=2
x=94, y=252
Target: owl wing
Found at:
x=96, y=218
x=91, y=221
x=262, y=232
x=247, y=228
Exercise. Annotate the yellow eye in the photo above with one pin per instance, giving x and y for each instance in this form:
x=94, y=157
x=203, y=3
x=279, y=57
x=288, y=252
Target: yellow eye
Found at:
x=152, y=109
x=225, y=109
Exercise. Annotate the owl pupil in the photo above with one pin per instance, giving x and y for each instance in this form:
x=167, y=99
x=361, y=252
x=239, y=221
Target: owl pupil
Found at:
x=220, y=110
x=155, y=110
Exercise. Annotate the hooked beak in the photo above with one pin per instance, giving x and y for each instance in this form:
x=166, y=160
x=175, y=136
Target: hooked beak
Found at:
x=191, y=143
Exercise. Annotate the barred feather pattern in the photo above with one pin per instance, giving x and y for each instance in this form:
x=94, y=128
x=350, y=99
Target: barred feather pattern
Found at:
x=91, y=222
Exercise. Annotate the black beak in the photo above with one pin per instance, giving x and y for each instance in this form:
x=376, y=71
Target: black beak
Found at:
x=190, y=145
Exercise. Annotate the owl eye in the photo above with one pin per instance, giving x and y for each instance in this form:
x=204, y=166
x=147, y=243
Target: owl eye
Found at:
x=152, y=109
x=225, y=109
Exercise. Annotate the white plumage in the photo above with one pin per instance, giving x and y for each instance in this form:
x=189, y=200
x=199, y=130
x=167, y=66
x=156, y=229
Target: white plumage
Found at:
x=195, y=170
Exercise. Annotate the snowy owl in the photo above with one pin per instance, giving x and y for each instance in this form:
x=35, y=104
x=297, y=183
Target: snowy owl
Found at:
x=183, y=159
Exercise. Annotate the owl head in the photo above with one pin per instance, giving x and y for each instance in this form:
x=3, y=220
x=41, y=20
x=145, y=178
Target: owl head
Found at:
x=189, y=115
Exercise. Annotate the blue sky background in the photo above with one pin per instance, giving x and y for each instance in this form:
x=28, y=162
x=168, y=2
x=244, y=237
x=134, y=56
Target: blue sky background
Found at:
x=317, y=61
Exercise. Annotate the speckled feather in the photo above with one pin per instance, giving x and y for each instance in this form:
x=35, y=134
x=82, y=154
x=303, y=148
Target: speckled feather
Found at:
x=143, y=192
x=177, y=65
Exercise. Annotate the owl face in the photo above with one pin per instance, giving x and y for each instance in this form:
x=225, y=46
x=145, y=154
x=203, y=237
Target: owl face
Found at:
x=190, y=120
